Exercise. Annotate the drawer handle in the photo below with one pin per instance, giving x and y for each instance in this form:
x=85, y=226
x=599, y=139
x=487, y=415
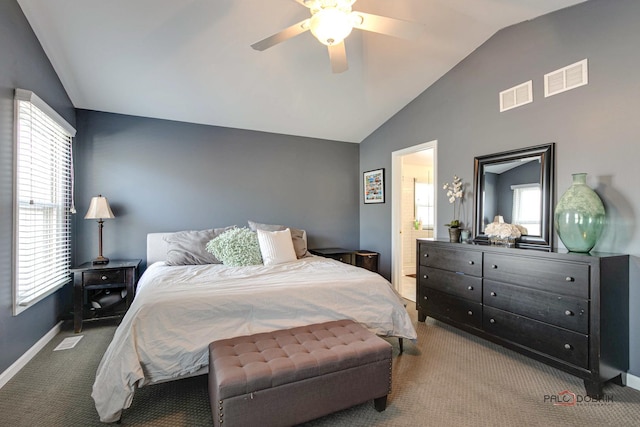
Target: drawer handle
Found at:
x=492, y=320
x=426, y=255
x=569, y=313
x=569, y=279
x=104, y=277
x=567, y=347
x=470, y=313
x=470, y=288
x=471, y=263
x=425, y=277
x=426, y=298
x=494, y=266
x=493, y=294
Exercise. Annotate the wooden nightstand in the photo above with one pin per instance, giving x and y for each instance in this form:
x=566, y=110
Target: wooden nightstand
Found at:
x=117, y=275
x=339, y=254
x=362, y=258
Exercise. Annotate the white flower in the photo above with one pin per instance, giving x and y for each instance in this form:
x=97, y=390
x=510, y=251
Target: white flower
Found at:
x=455, y=194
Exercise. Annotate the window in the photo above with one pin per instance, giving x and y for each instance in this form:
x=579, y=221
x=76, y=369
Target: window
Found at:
x=425, y=209
x=43, y=200
x=526, y=207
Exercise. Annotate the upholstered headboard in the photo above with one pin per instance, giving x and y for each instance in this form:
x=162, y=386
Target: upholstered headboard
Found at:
x=156, y=247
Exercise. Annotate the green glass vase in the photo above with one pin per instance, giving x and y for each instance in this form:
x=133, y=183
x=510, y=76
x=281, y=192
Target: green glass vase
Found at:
x=579, y=216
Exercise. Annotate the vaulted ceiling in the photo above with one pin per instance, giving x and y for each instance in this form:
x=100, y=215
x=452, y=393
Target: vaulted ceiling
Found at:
x=191, y=60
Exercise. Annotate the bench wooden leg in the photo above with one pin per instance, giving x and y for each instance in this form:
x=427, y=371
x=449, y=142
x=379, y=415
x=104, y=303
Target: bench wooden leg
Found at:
x=380, y=403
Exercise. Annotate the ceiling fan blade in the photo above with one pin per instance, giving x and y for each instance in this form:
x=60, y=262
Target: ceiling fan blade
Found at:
x=303, y=2
x=338, y=58
x=389, y=26
x=283, y=35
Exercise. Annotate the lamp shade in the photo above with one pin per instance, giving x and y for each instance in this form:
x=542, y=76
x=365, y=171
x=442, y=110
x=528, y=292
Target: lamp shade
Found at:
x=331, y=26
x=99, y=209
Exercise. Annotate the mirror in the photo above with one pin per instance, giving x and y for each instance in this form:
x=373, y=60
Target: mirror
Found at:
x=517, y=185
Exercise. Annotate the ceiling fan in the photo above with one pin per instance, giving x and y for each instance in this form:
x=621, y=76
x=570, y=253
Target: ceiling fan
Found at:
x=331, y=22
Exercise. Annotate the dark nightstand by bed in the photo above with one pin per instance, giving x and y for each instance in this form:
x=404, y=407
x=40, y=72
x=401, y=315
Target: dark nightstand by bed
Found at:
x=116, y=276
x=360, y=258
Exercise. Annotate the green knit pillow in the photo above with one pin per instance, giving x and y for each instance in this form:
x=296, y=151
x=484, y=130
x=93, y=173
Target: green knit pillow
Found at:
x=237, y=247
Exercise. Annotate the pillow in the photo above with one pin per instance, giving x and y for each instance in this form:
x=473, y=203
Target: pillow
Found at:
x=237, y=247
x=297, y=236
x=189, y=247
x=276, y=246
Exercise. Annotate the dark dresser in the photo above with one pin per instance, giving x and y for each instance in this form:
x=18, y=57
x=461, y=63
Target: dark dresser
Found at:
x=567, y=310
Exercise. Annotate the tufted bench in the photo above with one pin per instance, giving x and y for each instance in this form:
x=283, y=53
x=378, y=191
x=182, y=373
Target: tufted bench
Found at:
x=287, y=377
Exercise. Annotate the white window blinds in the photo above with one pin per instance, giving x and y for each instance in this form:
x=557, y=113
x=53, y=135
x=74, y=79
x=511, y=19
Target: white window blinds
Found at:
x=43, y=200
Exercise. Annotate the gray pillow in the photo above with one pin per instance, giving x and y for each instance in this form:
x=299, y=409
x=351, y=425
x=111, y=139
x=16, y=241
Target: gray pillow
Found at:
x=297, y=236
x=189, y=247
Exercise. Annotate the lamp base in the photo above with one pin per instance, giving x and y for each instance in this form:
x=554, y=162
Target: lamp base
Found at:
x=100, y=261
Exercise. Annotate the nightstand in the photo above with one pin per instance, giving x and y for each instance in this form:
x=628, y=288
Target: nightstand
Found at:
x=339, y=254
x=361, y=258
x=116, y=276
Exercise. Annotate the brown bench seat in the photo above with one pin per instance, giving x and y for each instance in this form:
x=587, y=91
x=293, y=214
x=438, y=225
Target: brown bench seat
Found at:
x=290, y=376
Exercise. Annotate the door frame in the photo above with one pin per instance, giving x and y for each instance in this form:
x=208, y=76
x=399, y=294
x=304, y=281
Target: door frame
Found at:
x=396, y=204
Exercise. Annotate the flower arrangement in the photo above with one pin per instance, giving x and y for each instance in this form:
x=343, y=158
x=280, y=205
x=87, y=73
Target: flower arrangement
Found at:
x=455, y=193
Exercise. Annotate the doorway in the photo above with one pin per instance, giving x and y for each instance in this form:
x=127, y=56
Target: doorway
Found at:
x=413, y=211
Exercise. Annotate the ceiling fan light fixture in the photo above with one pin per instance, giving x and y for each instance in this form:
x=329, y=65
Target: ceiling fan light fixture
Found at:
x=331, y=25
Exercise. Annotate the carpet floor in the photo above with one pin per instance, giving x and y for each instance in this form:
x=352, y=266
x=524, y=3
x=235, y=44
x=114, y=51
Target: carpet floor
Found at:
x=447, y=378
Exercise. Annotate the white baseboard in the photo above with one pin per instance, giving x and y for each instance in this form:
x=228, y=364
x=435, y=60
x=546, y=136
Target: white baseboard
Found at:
x=632, y=381
x=28, y=355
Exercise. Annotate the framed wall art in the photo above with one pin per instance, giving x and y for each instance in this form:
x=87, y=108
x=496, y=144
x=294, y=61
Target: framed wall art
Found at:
x=373, y=186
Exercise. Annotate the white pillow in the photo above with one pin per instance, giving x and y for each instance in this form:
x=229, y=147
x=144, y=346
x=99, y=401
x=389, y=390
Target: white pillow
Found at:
x=276, y=246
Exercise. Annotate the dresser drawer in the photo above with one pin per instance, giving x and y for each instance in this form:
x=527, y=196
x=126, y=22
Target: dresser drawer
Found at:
x=559, y=310
x=463, y=261
x=103, y=277
x=556, y=342
x=438, y=304
x=458, y=284
x=567, y=278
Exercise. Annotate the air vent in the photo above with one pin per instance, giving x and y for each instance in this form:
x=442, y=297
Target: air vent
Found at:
x=567, y=78
x=516, y=96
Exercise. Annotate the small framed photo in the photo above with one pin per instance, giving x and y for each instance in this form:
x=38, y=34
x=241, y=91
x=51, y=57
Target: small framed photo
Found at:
x=373, y=186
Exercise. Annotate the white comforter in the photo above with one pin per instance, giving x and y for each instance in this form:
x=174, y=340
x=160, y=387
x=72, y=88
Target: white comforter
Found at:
x=178, y=311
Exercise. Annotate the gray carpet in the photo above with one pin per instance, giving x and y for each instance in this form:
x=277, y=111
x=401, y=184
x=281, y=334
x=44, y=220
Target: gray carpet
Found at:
x=447, y=378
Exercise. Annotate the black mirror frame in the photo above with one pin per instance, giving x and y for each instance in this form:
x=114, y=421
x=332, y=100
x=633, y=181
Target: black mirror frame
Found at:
x=547, y=172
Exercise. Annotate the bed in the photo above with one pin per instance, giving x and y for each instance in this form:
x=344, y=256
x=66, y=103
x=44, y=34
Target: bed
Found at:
x=178, y=310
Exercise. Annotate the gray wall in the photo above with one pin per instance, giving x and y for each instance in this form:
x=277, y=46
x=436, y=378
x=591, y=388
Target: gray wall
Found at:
x=23, y=64
x=595, y=127
x=165, y=176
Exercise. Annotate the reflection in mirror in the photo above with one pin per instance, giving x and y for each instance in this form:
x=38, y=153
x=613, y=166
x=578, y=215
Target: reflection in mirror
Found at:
x=512, y=190
x=517, y=186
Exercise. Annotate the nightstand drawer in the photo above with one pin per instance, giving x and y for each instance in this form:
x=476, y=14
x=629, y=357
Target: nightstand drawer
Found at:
x=103, y=277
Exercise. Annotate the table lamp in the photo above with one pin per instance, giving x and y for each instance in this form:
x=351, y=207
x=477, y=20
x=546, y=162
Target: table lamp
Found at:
x=99, y=209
